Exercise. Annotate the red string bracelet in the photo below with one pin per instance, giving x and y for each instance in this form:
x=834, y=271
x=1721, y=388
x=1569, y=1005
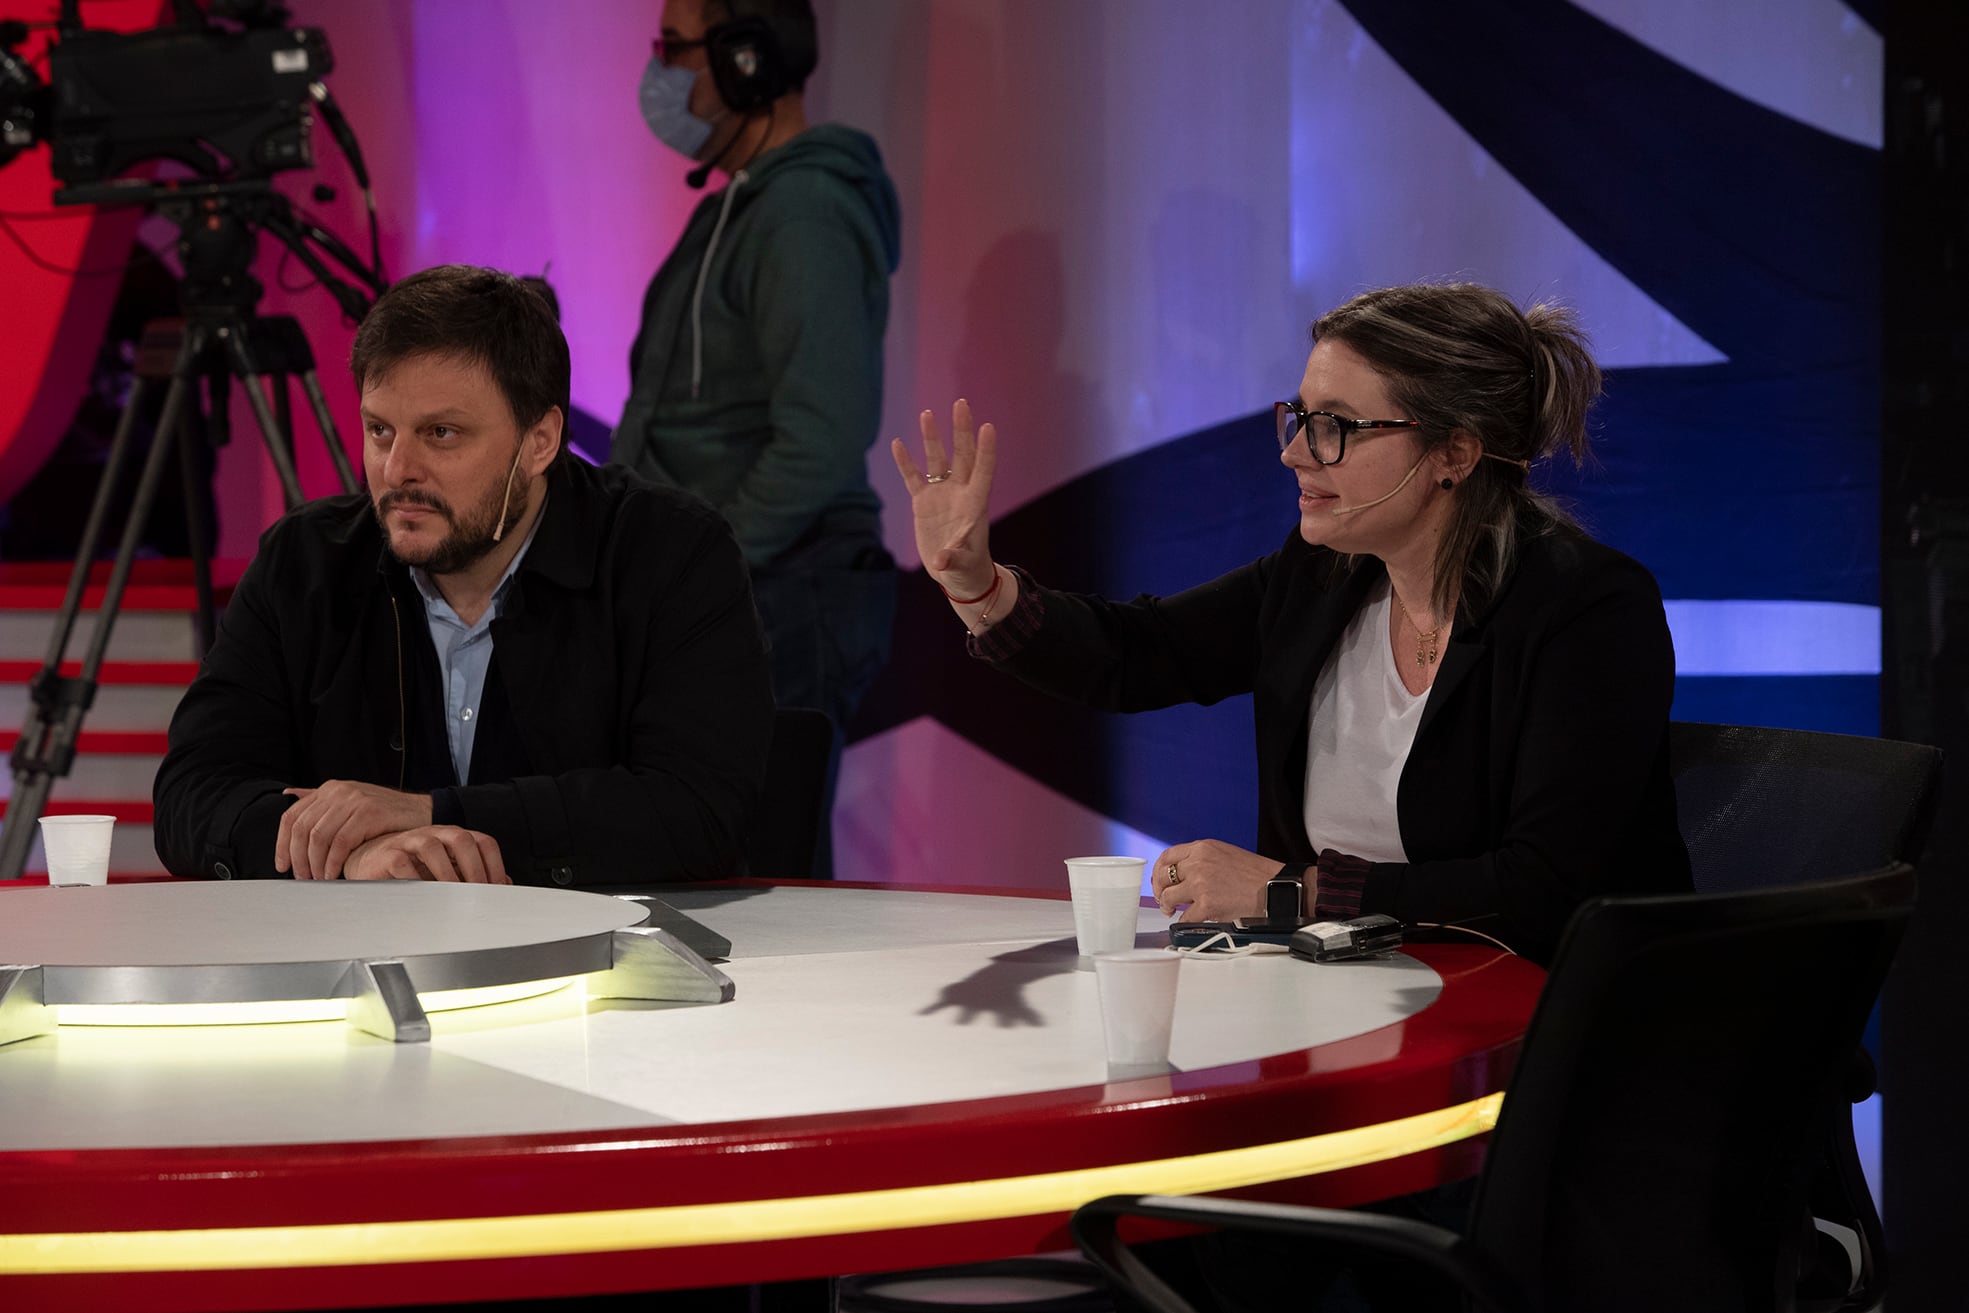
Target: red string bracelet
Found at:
x=985, y=596
x=984, y=621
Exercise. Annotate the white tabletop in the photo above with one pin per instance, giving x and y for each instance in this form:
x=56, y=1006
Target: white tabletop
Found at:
x=847, y=999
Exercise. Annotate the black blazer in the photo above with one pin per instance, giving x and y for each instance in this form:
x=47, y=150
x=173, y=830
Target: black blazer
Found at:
x=1539, y=773
x=628, y=650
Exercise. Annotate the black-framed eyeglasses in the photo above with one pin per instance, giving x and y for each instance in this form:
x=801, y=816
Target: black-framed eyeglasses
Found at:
x=1326, y=433
x=666, y=49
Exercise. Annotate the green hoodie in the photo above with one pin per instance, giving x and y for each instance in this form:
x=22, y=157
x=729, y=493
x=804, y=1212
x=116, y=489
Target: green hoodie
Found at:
x=756, y=378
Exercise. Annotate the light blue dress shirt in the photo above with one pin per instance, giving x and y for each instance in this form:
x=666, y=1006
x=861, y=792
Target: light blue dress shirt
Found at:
x=465, y=654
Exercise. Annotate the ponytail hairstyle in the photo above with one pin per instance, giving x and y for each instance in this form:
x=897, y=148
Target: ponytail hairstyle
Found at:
x=1460, y=357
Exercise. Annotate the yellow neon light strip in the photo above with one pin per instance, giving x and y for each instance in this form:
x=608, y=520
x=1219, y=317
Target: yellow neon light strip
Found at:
x=680, y=1226
x=274, y=1012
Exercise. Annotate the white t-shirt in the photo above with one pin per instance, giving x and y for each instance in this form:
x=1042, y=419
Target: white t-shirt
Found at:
x=1363, y=724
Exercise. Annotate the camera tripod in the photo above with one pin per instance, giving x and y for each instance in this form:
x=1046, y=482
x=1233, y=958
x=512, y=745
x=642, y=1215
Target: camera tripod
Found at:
x=220, y=339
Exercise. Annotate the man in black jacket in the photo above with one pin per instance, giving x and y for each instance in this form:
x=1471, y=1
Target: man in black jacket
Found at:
x=500, y=664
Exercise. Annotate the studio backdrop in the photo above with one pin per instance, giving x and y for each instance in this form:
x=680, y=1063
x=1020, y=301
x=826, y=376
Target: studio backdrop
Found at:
x=1120, y=217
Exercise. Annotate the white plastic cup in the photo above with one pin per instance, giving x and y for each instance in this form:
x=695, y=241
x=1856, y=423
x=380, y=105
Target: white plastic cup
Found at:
x=1107, y=894
x=1138, y=1005
x=77, y=848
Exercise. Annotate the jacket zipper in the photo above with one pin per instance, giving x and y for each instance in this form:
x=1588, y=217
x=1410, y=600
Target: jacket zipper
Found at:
x=403, y=745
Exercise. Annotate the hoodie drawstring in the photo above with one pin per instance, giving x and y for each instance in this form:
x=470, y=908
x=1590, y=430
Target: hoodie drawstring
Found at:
x=703, y=272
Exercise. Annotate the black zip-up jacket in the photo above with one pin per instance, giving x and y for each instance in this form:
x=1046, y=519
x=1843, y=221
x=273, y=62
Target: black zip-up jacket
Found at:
x=1539, y=773
x=627, y=651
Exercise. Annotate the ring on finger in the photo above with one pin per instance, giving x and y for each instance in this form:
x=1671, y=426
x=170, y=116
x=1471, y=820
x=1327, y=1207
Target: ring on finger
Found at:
x=936, y=478
x=1170, y=872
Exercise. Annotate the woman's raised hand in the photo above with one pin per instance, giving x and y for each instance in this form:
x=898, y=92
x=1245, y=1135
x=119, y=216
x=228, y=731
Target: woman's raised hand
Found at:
x=951, y=502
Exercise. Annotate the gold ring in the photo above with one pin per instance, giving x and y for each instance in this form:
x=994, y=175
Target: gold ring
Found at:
x=1174, y=878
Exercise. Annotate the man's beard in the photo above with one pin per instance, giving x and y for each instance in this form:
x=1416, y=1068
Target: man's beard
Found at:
x=469, y=541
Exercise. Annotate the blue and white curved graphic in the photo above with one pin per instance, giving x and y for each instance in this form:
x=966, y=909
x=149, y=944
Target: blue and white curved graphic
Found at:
x=1124, y=232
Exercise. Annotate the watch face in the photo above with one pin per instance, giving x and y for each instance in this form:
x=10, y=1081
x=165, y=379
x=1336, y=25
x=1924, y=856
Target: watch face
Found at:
x=1284, y=899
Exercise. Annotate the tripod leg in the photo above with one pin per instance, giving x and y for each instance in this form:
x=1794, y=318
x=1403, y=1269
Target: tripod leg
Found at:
x=92, y=530
x=283, y=410
x=17, y=835
x=311, y=385
x=24, y=805
x=197, y=499
x=270, y=431
x=46, y=748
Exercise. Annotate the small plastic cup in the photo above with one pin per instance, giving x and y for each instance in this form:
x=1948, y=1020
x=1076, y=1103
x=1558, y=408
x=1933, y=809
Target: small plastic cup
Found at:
x=1107, y=894
x=1138, y=1006
x=77, y=848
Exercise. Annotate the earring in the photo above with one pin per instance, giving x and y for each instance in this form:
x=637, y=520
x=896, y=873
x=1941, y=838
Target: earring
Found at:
x=1448, y=483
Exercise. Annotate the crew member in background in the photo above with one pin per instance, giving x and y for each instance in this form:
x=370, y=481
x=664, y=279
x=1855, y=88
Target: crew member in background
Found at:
x=756, y=377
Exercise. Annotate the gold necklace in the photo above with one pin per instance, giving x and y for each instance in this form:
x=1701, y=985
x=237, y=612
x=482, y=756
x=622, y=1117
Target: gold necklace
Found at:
x=1426, y=647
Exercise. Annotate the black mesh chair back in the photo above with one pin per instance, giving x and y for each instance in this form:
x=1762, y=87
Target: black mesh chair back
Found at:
x=1761, y=805
x=1662, y=1125
x=1756, y=803
x=792, y=823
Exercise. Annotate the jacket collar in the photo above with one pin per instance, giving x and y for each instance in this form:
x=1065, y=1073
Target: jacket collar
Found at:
x=1311, y=643
x=568, y=543
x=1467, y=646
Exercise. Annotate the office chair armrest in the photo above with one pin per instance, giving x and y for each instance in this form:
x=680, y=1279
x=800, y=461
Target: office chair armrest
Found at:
x=1094, y=1227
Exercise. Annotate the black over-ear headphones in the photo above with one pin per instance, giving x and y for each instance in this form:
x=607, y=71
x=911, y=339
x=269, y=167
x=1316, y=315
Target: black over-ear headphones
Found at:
x=747, y=66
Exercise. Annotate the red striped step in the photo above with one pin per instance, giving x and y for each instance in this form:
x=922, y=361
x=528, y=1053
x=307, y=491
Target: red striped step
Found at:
x=130, y=813
x=112, y=672
x=136, y=597
x=133, y=743
x=175, y=570
x=153, y=585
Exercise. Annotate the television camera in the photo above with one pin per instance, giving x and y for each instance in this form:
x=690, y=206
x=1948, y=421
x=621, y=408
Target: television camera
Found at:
x=227, y=93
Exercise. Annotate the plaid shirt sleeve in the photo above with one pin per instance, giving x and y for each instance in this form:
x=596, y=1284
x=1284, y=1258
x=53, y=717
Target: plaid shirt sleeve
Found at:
x=1004, y=637
x=1341, y=881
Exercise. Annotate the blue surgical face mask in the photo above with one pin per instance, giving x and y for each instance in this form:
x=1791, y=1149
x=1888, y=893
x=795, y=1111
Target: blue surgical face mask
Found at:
x=666, y=99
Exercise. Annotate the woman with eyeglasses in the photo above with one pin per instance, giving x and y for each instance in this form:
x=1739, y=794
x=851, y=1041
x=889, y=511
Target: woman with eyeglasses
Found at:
x=1461, y=700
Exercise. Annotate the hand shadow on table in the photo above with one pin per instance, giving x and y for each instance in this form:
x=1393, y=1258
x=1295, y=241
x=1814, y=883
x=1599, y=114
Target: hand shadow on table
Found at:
x=998, y=988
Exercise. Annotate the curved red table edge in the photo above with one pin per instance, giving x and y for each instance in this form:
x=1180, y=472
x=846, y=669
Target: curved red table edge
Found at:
x=1458, y=1049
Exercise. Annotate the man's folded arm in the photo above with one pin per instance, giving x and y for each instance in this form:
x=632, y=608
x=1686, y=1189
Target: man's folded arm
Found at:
x=217, y=797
